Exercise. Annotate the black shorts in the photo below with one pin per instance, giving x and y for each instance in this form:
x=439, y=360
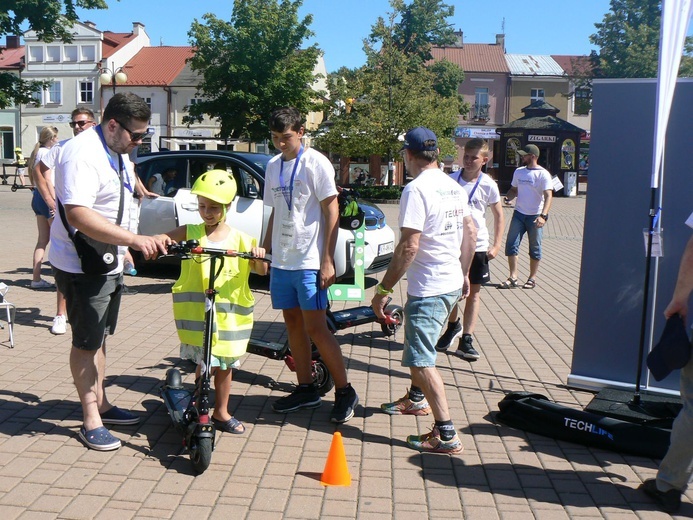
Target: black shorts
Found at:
x=479, y=272
x=93, y=302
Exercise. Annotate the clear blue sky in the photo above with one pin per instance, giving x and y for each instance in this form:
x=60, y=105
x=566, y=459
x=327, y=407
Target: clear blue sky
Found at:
x=534, y=27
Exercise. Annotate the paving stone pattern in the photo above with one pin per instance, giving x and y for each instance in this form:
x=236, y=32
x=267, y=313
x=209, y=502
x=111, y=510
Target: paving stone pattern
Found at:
x=525, y=339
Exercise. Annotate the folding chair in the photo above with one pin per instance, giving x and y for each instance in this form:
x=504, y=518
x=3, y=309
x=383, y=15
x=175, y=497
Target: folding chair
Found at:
x=9, y=309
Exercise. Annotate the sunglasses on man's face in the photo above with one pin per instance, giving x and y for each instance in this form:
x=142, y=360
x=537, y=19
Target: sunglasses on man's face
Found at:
x=134, y=136
x=80, y=124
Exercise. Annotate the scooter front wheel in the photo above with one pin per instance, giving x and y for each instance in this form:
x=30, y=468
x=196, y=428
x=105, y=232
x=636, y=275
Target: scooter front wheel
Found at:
x=201, y=453
x=397, y=313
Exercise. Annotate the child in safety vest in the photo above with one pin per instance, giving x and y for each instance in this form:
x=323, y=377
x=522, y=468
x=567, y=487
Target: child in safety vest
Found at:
x=233, y=313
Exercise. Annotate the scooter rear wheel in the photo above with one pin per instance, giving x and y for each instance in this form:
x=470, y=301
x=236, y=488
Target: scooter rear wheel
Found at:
x=322, y=379
x=201, y=453
x=173, y=378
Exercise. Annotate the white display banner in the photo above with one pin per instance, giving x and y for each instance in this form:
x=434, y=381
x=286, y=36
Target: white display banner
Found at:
x=676, y=15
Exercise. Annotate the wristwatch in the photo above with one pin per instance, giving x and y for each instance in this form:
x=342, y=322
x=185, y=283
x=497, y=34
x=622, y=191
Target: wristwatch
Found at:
x=545, y=216
x=380, y=289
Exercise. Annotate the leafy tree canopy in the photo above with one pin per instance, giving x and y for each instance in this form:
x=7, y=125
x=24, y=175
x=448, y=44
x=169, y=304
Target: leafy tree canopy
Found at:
x=52, y=20
x=398, y=88
x=628, y=38
x=251, y=65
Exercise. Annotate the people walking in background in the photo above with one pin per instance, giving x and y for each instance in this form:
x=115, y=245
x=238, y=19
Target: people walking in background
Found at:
x=302, y=236
x=81, y=119
x=676, y=469
x=435, y=250
x=94, y=180
x=532, y=186
x=483, y=193
x=44, y=213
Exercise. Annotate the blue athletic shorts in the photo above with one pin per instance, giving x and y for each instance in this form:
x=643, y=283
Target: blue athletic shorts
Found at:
x=292, y=289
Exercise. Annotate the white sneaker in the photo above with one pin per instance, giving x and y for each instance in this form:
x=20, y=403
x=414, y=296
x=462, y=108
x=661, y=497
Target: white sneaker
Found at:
x=59, y=324
x=42, y=284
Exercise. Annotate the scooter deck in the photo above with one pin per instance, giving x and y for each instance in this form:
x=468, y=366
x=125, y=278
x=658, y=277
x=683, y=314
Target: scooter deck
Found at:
x=352, y=317
x=268, y=349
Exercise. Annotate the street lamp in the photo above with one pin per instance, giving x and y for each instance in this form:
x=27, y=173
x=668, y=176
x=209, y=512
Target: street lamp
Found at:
x=112, y=77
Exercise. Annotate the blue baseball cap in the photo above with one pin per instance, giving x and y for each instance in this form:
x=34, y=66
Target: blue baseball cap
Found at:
x=420, y=139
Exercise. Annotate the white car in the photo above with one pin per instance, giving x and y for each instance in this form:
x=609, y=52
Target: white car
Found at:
x=248, y=212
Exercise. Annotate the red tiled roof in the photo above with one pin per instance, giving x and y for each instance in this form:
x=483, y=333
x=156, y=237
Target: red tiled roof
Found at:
x=156, y=66
x=11, y=58
x=573, y=65
x=112, y=41
x=474, y=57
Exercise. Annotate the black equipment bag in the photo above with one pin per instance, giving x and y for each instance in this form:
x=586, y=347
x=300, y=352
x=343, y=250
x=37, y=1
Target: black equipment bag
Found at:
x=535, y=413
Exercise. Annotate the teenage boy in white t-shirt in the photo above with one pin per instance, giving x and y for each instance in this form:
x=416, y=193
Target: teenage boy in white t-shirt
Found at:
x=302, y=236
x=483, y=193
x=532, y=186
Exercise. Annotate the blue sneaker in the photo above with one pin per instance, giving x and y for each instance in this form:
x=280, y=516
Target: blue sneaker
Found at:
x=117, y=416
x=99, y=439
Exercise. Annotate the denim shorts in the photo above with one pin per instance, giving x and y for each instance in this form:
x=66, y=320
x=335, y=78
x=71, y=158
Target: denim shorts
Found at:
x=291, y=289
x=39, y=205
x=424, y=319
x=519, y=225
x=92, y=306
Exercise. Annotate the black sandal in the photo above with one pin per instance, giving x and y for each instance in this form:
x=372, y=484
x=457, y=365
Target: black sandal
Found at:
x=529, y=284
x=510, y=283
x=233, y=425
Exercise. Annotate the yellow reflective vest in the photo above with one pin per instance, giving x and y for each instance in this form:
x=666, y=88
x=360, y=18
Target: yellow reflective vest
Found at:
x=233, y=306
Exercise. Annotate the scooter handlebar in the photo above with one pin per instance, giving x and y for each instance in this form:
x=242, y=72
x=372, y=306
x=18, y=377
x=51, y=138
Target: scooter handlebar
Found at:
x=192, y=247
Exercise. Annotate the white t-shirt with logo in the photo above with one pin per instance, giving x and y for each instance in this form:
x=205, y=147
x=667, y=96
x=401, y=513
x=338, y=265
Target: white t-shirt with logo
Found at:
x=531, y=183
x=484, y=195
x=435, y=205
x=84, y=177
x=298, y=235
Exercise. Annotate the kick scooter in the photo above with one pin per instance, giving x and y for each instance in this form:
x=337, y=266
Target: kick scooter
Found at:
x=189, y=410
x=337, y=320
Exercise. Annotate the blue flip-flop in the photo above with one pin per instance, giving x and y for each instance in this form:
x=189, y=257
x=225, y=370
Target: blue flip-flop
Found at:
x=230, y=426
x=99, y=439
x=117, y=416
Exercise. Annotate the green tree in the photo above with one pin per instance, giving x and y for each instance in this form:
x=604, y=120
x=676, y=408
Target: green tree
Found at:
x=52, y=20
x=373, y=106
x=252, y=65
x=628, y=38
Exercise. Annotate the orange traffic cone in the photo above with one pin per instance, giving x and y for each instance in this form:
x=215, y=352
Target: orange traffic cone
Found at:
x=336, y=472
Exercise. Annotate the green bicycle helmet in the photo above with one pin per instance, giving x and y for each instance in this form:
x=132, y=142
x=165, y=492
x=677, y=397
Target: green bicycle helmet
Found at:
x=216, y=185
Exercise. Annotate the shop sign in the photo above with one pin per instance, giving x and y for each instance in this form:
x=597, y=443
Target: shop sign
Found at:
x=512, y=158
x=542, y=138
x=56, y=118
x=568, y=155
x=476, y=132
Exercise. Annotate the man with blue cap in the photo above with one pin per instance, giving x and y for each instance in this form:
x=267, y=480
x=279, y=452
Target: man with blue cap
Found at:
x=435, y=250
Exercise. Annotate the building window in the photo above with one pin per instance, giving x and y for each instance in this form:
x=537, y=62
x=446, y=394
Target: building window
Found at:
x=481, y=105
x=582, y=102
x=37, y=97
x=53, y=93
x=7, y=143
x=195, y=101
x=36, y=53
x=87, y=53
x=70, y=53
x=86, y=92
x=52, y=53
x=536, y=94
